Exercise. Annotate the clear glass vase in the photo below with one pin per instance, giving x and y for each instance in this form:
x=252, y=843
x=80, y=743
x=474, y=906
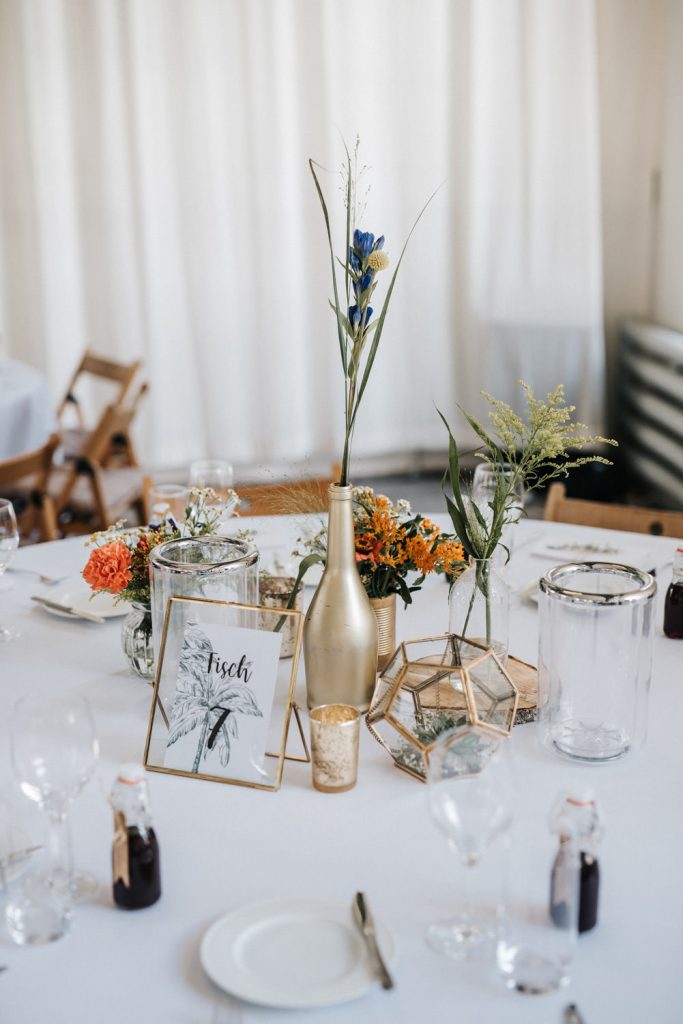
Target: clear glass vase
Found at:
x=596, y=627
x=479, y=607
x=213, y=568
x=136, y=640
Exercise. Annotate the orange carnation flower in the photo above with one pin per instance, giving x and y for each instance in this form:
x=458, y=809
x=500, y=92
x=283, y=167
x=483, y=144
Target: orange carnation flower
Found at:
x=108, y=568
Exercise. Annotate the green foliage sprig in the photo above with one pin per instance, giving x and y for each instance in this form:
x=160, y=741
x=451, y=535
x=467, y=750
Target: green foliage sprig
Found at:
x=531, y=452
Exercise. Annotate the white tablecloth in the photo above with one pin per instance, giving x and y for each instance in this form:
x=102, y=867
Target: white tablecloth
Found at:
x=223, y=846
x=27, y=415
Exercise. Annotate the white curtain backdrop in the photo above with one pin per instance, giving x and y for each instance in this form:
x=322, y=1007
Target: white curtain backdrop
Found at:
x=156, y=201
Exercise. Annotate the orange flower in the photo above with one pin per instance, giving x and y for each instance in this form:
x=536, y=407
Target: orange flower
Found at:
x=449, y=554
x=108, y=568
x=419, y=553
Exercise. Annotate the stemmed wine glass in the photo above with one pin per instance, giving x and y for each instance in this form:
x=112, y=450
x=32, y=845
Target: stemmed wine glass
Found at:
x=9, y=542
x=54, y=752
x=218, y=475
x=213, y=473
x=470, y=800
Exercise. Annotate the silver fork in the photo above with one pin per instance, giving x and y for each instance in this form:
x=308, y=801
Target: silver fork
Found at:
x=48, y=580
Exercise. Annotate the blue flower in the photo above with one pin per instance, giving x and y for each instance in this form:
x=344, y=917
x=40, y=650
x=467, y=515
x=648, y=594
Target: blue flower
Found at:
x=362, y=284
x=353, y=260
x=380, y=242
x=363, y=242
x=355, y=313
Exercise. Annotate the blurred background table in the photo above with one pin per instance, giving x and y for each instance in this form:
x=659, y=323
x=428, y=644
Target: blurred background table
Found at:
x=26, y=409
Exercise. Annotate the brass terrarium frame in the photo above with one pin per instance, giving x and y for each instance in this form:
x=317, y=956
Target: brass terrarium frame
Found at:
x=259, y=613
x=427, y=683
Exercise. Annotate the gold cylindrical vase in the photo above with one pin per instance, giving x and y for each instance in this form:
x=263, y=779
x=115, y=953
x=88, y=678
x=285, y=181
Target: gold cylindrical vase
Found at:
x=385, y=613
x=340, y=630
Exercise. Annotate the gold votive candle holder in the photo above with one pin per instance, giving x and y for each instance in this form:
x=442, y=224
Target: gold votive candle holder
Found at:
x=335, y=730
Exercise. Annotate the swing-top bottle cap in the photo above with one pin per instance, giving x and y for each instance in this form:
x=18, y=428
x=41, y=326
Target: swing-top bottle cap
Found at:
x=130, y=773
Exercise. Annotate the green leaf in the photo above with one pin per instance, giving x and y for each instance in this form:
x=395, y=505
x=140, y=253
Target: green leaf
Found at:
x=403, y=591
x=342, y=346
x=478, y=514
x=454, y=469
x=460, y=527
x=304, y=565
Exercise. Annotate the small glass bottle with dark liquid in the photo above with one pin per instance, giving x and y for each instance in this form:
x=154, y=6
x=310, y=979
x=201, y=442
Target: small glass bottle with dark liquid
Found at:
x=673, y=603
x=579, y=822
x=135, y=851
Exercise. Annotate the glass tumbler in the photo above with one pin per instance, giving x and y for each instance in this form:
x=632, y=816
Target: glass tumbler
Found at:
x=38, y=905
x=535, y=947
x=214, y=568
x=595, y=659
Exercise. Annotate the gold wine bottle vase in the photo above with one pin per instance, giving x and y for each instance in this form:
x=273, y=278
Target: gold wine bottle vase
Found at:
x=340, y=630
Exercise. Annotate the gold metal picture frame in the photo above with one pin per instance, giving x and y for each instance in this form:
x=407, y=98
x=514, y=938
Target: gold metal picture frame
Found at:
x=265, y=761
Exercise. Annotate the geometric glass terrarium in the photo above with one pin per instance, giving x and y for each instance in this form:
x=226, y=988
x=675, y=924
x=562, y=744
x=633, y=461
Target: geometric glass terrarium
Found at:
x=434, y=684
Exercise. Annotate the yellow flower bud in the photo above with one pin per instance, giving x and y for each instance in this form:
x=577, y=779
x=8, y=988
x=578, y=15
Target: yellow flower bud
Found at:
x=378, y=260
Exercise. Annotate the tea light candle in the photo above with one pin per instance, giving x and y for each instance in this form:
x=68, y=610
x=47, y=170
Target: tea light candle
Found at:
x=335, y=730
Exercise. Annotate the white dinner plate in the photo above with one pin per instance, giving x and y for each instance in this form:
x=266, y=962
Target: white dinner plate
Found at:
x=580, y=551
x=77, y=595
x=291, y=954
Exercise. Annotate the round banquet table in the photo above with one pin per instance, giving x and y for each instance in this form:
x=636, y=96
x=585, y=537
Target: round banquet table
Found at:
x=26, y=412
x=225, y=846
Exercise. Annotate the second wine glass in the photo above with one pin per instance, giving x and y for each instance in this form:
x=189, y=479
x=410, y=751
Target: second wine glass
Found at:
x=470, y=800
x=54, y=752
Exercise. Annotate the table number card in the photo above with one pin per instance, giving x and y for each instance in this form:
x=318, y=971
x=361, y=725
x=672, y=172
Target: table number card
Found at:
x=223, y=697
x=223, y=701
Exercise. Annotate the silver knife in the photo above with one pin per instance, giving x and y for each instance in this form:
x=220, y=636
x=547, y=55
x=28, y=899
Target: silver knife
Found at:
x=366, y=923
x=76, y=612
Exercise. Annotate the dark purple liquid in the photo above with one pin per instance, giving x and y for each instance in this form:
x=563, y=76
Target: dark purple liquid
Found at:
x=145, y=878
x=588, y=893
x=673, y=611
x=589, y=884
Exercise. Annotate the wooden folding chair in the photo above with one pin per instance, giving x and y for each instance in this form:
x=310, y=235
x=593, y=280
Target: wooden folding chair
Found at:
x=74, y=439
x=561, y=509
x=91, y=495
x=24, y=479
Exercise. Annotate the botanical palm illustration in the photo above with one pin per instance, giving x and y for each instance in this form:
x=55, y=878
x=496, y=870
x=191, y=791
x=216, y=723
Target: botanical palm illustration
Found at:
x=204, y=700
